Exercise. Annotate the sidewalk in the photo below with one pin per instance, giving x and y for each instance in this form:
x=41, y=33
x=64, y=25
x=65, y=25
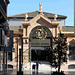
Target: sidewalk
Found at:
x=14, y=72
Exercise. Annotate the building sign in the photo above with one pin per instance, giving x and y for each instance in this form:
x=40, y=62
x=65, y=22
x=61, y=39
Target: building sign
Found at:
x=10, y=45
x=37, y=48
x=40, y=42
x=11, y=38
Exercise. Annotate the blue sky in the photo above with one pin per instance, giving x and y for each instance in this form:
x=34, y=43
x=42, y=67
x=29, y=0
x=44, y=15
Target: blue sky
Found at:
x=61, y=7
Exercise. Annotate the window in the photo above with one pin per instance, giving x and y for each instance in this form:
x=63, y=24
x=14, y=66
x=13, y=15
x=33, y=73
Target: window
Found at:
x=72, y=51
x=72, y=66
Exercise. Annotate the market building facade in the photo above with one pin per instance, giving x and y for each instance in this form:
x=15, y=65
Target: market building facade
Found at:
x=33, y=33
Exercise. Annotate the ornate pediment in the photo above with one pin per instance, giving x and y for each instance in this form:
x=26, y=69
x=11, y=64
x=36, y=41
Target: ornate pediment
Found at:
x=41, y=18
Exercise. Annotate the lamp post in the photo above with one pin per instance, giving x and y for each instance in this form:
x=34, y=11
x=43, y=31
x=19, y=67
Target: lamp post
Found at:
x=20, y=72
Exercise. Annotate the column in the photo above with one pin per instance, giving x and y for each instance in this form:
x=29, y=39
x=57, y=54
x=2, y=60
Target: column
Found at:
x=16, y=47
x=16, y=53
x=55, y=32
x=25, y=31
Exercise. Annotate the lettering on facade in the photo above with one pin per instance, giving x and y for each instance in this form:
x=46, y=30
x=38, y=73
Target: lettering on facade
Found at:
x=38, y=42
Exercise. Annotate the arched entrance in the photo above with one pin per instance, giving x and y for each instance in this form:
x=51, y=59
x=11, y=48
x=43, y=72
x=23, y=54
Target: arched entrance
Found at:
x=40, y=43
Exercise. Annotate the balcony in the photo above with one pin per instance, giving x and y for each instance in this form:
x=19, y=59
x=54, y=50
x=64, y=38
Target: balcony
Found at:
x=3, y=5
x=3, y=10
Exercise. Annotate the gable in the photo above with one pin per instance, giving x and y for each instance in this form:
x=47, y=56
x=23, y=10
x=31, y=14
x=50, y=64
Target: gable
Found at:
x=40, y=19
x=44, y=22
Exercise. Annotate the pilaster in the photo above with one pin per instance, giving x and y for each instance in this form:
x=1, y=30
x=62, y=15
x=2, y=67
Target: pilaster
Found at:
x=16, y=47
x=25, y=24
x=55, y=23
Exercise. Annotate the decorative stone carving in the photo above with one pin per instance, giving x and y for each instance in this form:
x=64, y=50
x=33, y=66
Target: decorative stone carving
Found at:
x=25, y=22
x=55, y=16
x=55, y=22
x=26, y=16
x=40, y=7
